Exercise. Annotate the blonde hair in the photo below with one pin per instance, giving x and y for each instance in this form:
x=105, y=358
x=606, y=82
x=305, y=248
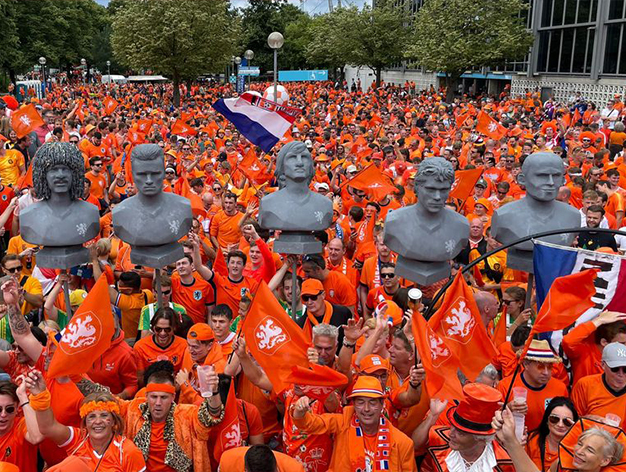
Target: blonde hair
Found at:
x=49, y=324
x=103, y=247
x=612, y=449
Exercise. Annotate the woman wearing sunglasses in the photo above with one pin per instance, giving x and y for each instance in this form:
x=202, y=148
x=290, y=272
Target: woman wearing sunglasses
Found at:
x=543, y=443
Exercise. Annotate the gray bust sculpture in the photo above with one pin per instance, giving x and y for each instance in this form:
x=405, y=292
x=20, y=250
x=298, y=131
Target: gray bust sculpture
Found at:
x=60, y=222
x=294, y=209
x=542, y=175
x=152, y=221
x=427, y=235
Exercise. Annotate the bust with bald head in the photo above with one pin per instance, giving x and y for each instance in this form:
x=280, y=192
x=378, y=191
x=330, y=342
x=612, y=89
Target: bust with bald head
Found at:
x=427, y=235
x=543, y=173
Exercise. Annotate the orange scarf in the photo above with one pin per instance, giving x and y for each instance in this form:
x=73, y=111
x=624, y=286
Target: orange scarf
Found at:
x=382, y=454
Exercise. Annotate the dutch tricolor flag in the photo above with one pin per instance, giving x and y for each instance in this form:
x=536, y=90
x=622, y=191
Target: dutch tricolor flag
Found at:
x=262, y=121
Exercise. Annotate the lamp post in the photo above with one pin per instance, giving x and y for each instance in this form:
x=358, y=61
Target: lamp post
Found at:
x=83, y=62
x=275, y=40
x=109, y=74
x=237, y=64
x=249, y=55
x=42, y=63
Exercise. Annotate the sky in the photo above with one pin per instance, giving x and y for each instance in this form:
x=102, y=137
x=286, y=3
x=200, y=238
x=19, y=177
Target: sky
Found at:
x=310, y=6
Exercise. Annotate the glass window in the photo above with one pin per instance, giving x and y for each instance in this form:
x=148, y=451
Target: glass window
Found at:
x=557, y=13
x=622, y=58
x=580, y=47
x=570, y=12
x=594, y=9
x=546, y=13
x=542, y=56
x=584, y=10
x=566, y=51
x=616, y=9
x=592, y=38
x=612, y=49
x=555, y=48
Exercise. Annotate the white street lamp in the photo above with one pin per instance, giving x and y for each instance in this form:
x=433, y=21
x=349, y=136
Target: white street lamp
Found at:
x=275, y=41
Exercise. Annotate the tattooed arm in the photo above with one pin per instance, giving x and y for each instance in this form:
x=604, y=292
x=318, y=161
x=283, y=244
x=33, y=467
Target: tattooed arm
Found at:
x=19, y=326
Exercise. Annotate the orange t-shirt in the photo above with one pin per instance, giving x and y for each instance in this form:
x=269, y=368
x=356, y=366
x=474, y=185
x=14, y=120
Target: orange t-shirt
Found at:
x=233, y=461
x=98, y=185
x=15, y=449
x=148, y=352
x=229, y=292
x=593, y=396
x=158, y=447
x=346, y=268
x=130, y=306
x=614, y=204
x=195, y=297
x=226, y=228
x=533, y=451
x=121, y=456
x=537, y=398
x=339, y=290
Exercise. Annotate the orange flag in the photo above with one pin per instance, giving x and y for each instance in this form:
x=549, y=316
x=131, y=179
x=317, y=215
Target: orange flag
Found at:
x=464, y=181
x=25, y=120
x=461, y=119
x=136, y=137
x=110, y=104
x=144, y=126
x=182, y=188
x=182, y=128
x=577, y=117
x=27, y=179
x=87, y=336
x=373, y=182
x=458, y=322
x=317, y=382
x=490, y=127
x=219, y=265
x=439, y=361
x=499, y=333
x=228, y=430
x=275, y=341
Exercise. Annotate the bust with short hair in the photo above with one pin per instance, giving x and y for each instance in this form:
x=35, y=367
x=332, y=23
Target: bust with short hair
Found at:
x=542, y=175
x=61, y=222
x=427, y=235
x=295, y=209
x=152, y=221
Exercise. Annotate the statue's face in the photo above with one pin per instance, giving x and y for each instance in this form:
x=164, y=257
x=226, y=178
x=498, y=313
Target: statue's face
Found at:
x=298, y=165
x=148, y=176
x=543, y=179
x=433, y=194
x=59, y=178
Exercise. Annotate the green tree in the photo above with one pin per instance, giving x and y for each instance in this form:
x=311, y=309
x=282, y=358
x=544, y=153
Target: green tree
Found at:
x=453, y=36
x=262, y=17
x=373, y=36
x=178, y=38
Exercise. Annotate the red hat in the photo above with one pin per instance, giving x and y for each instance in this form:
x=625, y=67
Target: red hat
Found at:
x=476, y=410
x=311, y=287
x=373, y=363
x=201, y=332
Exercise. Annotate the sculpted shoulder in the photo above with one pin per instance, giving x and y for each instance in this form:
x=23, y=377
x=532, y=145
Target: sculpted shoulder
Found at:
x=40, y=224
x=279, y=211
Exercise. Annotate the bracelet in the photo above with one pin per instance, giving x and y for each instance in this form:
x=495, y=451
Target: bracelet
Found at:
x=24, y=404
x=348, y=345
x=415, y=386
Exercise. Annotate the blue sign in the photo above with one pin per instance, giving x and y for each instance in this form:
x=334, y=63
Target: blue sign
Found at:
x=232, y=79
x=302, y=75
x=251, y=71
x=241, y=84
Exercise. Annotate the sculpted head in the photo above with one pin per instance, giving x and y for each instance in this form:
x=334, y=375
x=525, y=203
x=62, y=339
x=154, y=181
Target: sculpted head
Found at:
x=542, y=175
x=58, y=168
x=433, y=182
x=148, y=169
x=294, y=163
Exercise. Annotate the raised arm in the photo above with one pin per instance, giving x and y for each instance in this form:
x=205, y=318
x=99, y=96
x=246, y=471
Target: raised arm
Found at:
x=19, y=327
x=420, y=434
x=51, y=311
x=204, y=271
x=255, y=374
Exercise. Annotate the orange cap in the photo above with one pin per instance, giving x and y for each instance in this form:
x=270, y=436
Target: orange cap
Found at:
x=322, y=158
x=366, y=386
x=89, y=128
x=201, y=332
x=395, y=312
x=373, y=363
x=312, y=287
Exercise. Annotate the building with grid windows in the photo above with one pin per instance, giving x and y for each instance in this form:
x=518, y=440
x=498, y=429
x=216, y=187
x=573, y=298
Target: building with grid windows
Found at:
x=580, y=46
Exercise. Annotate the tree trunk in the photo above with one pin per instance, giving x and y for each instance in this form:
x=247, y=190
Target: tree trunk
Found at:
x=176, y=80
x=13, y=78
x=379, y=73
x=451, y=82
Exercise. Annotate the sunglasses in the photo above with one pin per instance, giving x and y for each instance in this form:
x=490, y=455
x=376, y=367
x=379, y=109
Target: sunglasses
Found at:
x=13, y=270
x=615, y=370
x=10, y=409
x=96, y=165
x=162, y=330
x=217, y=189
x=166, y=292
x=507, y=302
x=387, y=276
x=186, y=149
x=312, y=298
x=554, y=419
x=74, y=142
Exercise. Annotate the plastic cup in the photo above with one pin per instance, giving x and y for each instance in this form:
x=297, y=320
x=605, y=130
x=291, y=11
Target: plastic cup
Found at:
x=520, y=394
x=612, y=419
x=203, y=372
x=415, y=299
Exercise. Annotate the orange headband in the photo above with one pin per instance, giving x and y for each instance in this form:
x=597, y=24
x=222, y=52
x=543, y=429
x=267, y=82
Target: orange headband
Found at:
x=157, y=387
x=89, y=407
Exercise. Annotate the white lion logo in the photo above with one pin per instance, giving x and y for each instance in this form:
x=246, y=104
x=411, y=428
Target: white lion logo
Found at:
x=461, y=323
x=233, y=436
x=81, y=332
x=492, y=127
x=456, y=182
x=270, y=335
x=26, y=120
x=437, y=347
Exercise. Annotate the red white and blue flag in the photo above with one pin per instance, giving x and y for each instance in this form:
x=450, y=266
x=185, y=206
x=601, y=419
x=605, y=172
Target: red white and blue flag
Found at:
x=262, y=121
x=552, y=261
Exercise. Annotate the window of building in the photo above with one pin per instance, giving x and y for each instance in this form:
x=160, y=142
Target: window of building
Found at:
x=617, y=10
x=565, y=50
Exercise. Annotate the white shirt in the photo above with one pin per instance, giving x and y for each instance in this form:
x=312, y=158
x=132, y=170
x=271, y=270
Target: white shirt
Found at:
x=583, y=221
x=485, y=463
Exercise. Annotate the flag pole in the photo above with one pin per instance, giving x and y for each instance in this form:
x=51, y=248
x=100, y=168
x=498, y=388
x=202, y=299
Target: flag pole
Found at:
x=66, y=293
x=294, y=287
x=159, y=291
x=529, y=291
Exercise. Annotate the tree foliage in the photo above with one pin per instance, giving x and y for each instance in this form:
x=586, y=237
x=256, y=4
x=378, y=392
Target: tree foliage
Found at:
x=372, y=36
x=178, y=38
x=453, y=36
x=60, y=30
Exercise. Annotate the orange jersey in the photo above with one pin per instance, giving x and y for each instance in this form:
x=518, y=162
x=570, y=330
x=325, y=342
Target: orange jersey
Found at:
x=580, y=348
x=339, y=290
x=233, y=461
x=15, y=449
x=98, y=185
x=229, y=292
x=592, y=395
x=158, y=448
x=130, y=306
x=226, y=228
x=533, y=451
x=147, y=352
x=195, y=297
x=537, y=398
x=346, y=268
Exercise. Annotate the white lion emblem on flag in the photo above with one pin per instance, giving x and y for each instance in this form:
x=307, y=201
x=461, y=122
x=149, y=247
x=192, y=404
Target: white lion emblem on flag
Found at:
x=25, y=119
x=232, y=436
x=80, y=333
x=461, y=323
x=270, y=336
x=492, y=127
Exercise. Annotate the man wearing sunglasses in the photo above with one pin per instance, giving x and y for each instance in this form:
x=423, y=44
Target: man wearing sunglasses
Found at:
x=604, y=393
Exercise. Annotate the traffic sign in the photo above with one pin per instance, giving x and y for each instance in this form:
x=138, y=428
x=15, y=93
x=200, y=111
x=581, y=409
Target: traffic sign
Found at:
x=302, y=75
x=252, y=71
x=232, y=79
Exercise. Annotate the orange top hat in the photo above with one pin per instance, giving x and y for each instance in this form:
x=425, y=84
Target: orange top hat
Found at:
x=476, y=410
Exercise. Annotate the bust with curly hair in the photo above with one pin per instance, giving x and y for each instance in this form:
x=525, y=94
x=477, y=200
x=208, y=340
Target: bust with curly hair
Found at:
x=61, y=222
